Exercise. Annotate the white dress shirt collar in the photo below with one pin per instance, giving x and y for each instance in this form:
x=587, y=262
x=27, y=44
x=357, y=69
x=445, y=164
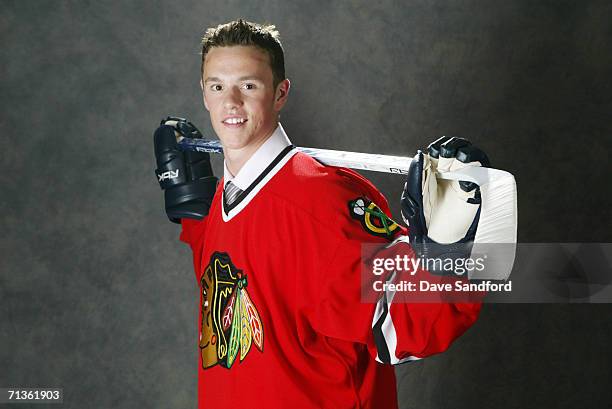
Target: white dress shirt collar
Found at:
x=259, y=161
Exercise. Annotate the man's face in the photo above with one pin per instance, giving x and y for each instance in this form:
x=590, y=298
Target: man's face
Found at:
x=238, y=91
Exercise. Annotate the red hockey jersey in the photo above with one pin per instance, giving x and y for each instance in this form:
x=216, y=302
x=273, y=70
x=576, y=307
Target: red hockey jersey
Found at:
x=282, y=322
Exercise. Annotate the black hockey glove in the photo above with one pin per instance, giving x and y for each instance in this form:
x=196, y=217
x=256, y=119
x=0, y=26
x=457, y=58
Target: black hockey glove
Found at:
x=186, y=177
x=442, y=215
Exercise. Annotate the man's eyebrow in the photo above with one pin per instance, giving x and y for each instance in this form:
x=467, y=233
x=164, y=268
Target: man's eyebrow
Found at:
x=244, y=78
x=250, y=77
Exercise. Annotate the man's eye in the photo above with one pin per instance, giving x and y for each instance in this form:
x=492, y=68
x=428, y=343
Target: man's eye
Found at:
x=249, y=86
x=216, y=87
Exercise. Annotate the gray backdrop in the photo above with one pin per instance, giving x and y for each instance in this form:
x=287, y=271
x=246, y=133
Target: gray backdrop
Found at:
x=98, y=295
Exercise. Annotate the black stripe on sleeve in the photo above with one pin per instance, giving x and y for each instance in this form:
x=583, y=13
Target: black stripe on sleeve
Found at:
x=379, y=337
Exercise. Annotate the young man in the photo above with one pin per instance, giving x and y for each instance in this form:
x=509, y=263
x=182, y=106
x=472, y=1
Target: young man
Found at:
x=277, y=248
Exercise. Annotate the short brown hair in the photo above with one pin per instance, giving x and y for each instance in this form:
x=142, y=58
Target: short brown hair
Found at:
x=241, y=32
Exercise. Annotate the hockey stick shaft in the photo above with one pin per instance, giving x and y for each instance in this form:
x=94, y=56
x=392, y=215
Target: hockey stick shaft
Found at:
x=359, y=160
x=354, y=160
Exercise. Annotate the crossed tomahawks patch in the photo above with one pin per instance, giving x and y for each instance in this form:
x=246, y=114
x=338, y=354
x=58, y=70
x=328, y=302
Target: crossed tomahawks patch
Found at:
x=373, y=220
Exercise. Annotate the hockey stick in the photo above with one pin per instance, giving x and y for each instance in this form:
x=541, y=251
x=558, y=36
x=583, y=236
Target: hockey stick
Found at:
x=498, y=214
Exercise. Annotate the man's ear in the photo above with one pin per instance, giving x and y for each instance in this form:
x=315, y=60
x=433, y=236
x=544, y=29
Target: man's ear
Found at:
x=203, y=96
x=281, y=94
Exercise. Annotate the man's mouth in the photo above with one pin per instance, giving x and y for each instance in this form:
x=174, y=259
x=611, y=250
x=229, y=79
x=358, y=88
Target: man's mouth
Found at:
x=234, y=121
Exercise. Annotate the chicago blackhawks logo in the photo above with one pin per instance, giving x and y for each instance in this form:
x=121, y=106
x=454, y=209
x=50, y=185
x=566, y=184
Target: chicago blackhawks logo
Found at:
x=230, y=321
x=373, y=220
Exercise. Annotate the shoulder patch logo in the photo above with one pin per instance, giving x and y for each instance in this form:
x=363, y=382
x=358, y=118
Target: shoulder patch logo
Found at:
x=230, y=321
x=373, y=220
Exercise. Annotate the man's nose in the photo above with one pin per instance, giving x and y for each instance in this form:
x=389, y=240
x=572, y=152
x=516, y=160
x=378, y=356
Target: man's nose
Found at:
x=233, y=98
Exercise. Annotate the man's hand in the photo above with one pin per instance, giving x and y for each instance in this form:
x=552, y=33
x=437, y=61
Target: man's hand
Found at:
x=442, y=211
x=186, y=177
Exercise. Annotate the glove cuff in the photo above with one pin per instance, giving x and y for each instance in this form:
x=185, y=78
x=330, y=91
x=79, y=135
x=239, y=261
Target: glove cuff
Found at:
x=191, y=200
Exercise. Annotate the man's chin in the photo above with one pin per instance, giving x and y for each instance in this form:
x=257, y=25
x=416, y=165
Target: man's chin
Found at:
x=233, y=142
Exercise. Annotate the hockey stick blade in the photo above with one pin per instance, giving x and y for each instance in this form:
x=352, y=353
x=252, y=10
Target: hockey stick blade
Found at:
x=498, y=215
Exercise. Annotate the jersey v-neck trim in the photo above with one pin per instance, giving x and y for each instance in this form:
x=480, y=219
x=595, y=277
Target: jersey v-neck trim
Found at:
x=229, y=211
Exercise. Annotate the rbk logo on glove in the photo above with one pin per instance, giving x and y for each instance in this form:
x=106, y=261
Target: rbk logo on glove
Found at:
x=169, y=175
